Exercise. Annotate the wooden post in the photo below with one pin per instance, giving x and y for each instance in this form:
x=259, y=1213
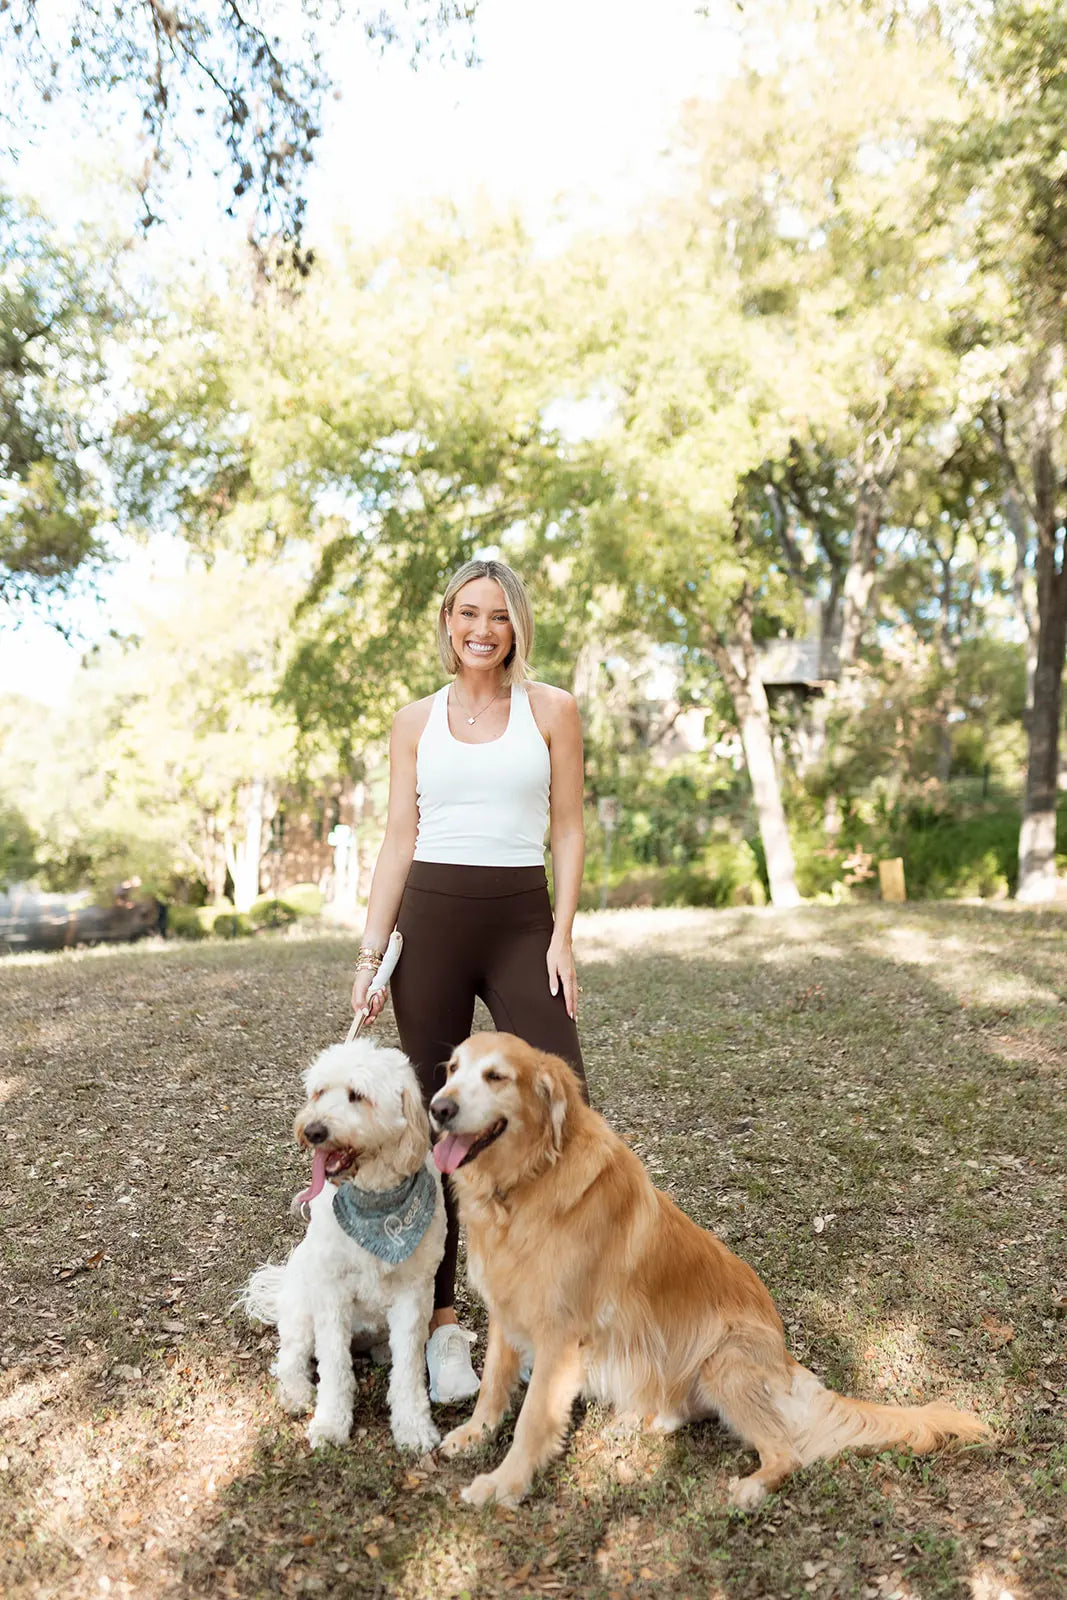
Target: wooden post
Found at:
x=891, y=879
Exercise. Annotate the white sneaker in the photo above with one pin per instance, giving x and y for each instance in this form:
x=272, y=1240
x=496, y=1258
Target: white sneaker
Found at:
x=448, y=1358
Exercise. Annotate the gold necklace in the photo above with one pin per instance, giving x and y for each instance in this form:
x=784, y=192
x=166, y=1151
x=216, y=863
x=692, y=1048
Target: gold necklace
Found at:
x=472, y=720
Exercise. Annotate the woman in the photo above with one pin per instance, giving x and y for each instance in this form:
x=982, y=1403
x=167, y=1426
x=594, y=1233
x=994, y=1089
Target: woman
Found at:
x=477, y=771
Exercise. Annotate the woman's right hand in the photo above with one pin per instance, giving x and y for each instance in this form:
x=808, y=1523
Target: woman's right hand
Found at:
x=362, y=982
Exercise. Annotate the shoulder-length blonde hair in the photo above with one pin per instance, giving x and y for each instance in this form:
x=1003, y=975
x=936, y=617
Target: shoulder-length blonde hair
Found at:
x=516, y=666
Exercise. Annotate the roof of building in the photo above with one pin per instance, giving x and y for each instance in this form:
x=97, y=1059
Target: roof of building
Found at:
x=808, y=662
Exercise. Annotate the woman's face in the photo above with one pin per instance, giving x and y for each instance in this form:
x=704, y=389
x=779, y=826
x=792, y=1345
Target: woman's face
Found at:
x=479, y=625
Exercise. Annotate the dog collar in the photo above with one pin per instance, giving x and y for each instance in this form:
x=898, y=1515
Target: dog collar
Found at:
x=389, y=1223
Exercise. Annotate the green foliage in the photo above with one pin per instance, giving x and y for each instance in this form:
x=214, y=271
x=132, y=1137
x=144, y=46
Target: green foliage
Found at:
x=280, y=911
x=954, y=844
x=679, y=839
x=18, y=846
x=55, y=311
x=666, y=432
x=270, y=912
x=305, y=899
x=205, y=922
x=950, y=857
x=184, y=922
x=146, y=771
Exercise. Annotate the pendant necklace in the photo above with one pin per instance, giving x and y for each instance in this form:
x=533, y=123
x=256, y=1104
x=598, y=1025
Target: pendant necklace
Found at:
x=472, y=720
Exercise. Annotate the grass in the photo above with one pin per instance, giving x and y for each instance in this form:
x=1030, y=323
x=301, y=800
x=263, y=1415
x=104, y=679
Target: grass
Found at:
x=866, y=1103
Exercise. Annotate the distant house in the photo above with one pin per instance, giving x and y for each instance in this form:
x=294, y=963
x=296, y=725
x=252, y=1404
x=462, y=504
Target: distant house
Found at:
x=804, y=666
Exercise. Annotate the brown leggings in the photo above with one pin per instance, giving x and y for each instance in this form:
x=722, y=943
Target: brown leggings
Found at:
x=474, y=932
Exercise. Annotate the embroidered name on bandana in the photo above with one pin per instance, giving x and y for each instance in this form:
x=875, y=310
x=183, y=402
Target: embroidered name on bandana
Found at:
x=389, y=1224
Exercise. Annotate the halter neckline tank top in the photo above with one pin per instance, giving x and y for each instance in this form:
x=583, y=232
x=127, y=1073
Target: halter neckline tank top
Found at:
x=482, y=805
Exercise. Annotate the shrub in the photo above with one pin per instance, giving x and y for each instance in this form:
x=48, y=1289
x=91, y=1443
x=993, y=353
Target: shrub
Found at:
x=183, y=922
x=303, y=899
x=948, y=857
x=232, y=925
x=18, y=846
x=268, y=912
x=726, y=875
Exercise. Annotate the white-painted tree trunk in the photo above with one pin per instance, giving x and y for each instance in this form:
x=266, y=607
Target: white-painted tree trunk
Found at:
x=244, y=851
x=736, y=660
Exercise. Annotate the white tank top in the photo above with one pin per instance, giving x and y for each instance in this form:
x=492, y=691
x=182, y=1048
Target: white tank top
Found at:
x=482, y=805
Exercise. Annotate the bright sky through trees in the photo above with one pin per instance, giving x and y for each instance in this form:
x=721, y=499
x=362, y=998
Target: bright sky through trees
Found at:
x=567, y=117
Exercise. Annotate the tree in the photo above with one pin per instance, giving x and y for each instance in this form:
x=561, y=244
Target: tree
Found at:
x=384, y=426
x=56, y=310
x=783, y=355
x=246, y=69
x=171, y=754
x=1009, y=164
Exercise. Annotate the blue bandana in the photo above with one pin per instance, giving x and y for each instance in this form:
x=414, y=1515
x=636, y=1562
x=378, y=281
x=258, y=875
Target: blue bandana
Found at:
x=389, y=1224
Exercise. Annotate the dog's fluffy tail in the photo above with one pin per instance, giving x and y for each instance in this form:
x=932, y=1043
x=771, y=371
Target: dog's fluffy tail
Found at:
x=826, y=1423
x=261, y=1295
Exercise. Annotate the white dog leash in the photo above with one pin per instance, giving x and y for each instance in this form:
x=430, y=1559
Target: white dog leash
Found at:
x=381, y=978
x=300, y=1206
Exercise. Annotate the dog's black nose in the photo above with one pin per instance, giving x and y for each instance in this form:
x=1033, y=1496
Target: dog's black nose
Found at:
x=442, y=1109
x=316, y=1132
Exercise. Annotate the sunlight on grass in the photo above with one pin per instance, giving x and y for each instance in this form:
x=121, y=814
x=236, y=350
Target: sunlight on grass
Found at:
x=968, y=970
x=986, y=1585
x=10, y=1087
x=452, y=1560
x=137, y=1472
x=894, y=1355
x=27, y=1397
x=1027, y=1049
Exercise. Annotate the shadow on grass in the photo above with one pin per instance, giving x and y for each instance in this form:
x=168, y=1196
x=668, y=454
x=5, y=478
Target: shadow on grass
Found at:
x=830, y=1091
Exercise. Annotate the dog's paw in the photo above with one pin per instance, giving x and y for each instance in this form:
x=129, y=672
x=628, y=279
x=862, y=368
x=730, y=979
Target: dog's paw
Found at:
x=465, y=1437
x=415, y=1434
x=490, y=1489
x=746, y=1494
x=296, y=1398
x=328, y=1430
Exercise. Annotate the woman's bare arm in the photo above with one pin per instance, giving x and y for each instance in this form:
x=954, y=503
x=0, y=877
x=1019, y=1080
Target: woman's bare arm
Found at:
x=398, y=846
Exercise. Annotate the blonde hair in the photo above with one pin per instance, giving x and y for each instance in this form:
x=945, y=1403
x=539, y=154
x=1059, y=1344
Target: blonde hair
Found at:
x=516, y=667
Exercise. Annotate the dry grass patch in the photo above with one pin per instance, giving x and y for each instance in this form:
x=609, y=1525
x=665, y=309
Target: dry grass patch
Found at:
x=867, y=1104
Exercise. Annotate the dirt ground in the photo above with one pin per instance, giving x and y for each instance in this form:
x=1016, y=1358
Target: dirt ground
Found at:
x=866, y=1103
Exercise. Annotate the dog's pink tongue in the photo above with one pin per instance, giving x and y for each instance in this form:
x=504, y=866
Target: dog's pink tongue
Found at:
x=318, y=1178
x=448, y=1152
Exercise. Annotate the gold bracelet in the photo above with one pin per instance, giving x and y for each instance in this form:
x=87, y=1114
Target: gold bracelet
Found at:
x=367, y=964
x=369, y=950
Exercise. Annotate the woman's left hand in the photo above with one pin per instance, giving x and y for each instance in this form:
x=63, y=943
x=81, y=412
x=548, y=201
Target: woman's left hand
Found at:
x=560, y=962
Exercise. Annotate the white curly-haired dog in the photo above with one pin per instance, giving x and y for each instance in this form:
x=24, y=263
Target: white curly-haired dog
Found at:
x=375, y=1237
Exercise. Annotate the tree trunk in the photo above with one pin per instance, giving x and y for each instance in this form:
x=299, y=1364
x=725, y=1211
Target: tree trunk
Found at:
x=736, y=660
x=1015, y=515
x=859, y=578
x=759, y=758
x=244, y=853
x=1037, y=837
x=210, y=859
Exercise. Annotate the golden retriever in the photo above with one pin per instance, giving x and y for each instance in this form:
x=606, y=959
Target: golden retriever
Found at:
x=615, y=1293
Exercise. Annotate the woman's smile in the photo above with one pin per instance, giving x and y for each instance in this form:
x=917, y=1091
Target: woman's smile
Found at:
x=480, y=626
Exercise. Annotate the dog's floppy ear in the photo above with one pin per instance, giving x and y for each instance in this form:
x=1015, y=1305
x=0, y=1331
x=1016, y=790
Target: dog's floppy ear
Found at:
x=414, y=1142
x=554, y=1093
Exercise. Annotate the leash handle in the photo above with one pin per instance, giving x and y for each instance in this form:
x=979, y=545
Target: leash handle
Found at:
x=381, y=979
